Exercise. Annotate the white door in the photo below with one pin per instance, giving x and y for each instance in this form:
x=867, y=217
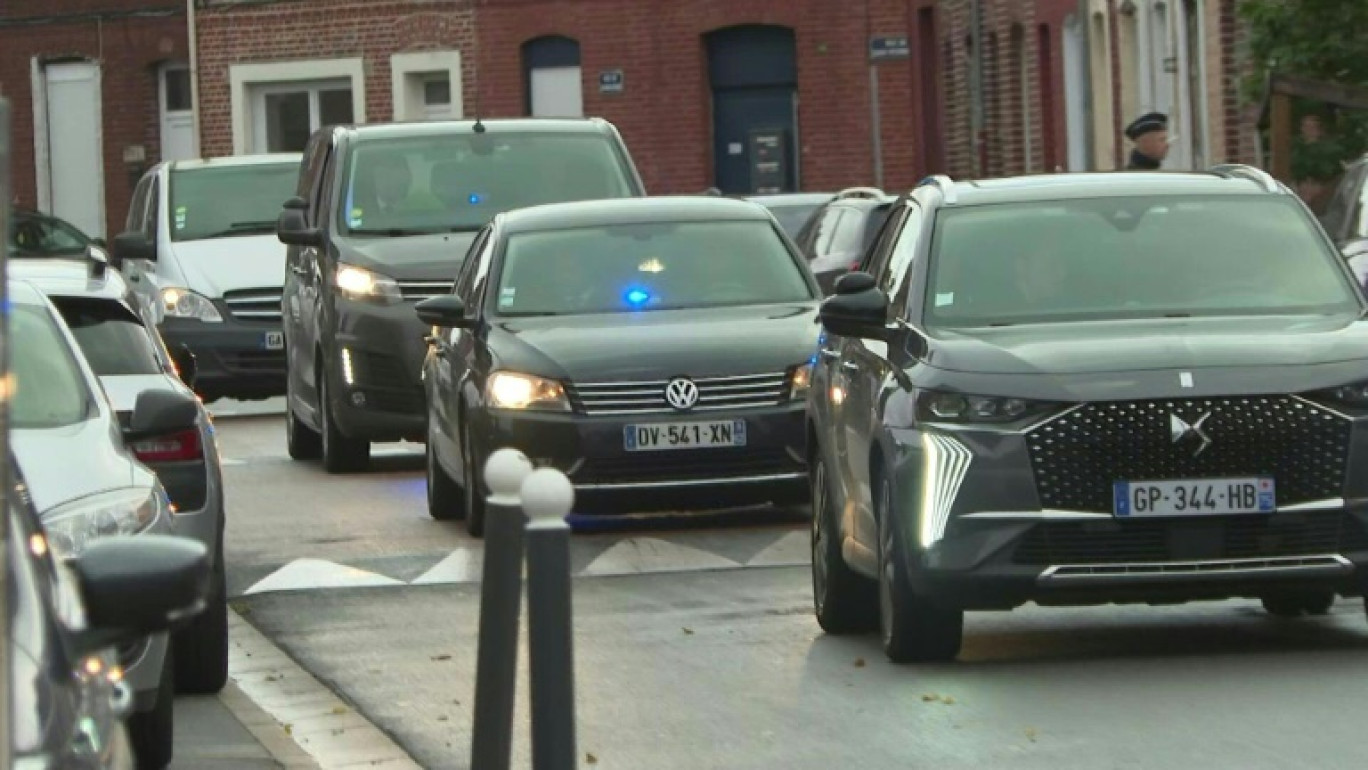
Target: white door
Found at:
x=75, y=160
x=177, y=116
x=556, y=93
x=1075, y=94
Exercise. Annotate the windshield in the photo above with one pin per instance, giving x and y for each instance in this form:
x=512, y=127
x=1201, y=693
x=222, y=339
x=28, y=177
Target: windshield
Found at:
x=1130, y=257
x=655, y=266
x=49, y=389
x=112, y=342
x=454, y=182
x=31, y=236
x=226, y=201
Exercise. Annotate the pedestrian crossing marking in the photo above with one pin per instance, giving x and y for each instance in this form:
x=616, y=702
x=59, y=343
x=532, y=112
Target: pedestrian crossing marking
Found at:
x=634, y=556
x=316, y=573
x=792, y=550
x=462, y=566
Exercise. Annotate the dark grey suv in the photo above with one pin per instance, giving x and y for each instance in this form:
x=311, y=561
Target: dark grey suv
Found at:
x=1085, y=389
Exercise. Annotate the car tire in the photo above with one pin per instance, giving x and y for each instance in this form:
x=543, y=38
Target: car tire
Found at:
x=1283, y=605
x=473, y=488
x=302, y=442
x=1318, y=602
x=341, y=454
x=446, y=500
x=202, y=646
x=914, y=629
x=152, y=733
x=844, y=601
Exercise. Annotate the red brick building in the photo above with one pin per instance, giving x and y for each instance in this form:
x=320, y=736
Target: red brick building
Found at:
x=98, y=90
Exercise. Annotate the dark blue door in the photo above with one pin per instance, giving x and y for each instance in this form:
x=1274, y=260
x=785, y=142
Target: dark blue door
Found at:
x=754, y=77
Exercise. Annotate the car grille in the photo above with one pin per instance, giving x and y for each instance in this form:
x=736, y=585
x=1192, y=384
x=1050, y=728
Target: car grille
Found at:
x=686, y=464
x=254, y=305
x=648, y=396
x=415, y=291
x=1218, y=537
x=253, y=361
x=1079, y=456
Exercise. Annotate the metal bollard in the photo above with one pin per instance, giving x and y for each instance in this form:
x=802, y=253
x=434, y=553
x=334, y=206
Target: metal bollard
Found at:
x=547, y=496
x=496, y=668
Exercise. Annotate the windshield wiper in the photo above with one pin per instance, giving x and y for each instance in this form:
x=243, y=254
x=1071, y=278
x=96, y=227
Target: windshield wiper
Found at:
x=392, y=232
x=242, y=228
x=538, y=314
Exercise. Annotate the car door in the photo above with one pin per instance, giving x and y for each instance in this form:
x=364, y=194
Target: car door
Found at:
x=472, y=360
x=313, y=264
x=298, y=347
x=446, y=365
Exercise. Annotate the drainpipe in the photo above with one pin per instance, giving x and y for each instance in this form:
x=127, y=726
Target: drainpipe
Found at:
x=976, y=107
x=194, y=72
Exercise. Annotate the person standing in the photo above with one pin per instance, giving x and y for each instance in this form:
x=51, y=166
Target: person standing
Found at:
x=1149, y=133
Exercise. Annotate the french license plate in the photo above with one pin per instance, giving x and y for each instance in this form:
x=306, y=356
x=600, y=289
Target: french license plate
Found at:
x=1195, y=497
x=684, y=435
x=274, y=341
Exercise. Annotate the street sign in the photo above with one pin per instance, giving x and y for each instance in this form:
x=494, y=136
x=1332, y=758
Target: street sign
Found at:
x=886, y=48
x=610, y=82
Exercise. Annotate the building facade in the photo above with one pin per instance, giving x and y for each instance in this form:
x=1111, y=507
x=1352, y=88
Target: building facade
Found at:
x=743, y=95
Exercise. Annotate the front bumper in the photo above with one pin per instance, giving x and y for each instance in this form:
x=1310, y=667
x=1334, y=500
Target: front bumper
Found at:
x=376, y=368
x=590, y=450
x=233, y=359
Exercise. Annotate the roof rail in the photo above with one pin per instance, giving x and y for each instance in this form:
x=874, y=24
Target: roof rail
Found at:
x=861, y=192
x=1242, y=171
x=944, y=183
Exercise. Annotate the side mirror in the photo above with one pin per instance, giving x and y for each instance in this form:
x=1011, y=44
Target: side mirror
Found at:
x=133, y=245
x=137, y=585
x=186, y=365
x=857, y=309
x=293, y=230
x=447, y=311
x=297, y=204
x=100, y=242
x=158, y=412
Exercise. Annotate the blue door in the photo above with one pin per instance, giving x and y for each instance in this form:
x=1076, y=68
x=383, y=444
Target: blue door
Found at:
x=754, y=77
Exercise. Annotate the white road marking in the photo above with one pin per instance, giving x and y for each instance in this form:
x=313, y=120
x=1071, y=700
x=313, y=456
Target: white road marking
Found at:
x=323, y=726
x=463, y=566
x=306, y=574
x=792, y=550
x=634, y=556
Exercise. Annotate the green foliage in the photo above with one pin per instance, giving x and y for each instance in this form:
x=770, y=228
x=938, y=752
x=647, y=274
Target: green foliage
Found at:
x=1321, y=39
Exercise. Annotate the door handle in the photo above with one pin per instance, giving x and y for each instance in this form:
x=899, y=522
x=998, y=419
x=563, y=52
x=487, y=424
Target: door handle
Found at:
x=850, y=366
x=828, y=353
x=297, y=270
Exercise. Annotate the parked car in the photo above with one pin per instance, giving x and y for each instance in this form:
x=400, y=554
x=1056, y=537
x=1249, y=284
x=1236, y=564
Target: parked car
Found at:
x=68, y=696
x=1346, y=214
x=657, y=351
x=383, y=216
x=34, y=234
x=200, y=245
x=838, y=235
x=87, y=484
x=793, y=210
x=128, y=356
x=1088, y=389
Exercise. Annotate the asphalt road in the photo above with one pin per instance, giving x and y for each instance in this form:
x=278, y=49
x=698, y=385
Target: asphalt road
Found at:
x=696, y=648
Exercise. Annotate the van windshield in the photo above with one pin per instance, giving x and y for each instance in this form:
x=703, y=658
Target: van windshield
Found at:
x=228, y=201
x=458, y=182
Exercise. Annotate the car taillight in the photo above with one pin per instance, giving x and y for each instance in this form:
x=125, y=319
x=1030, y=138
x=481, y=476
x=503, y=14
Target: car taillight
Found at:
x=172, y=447
x=854, y=265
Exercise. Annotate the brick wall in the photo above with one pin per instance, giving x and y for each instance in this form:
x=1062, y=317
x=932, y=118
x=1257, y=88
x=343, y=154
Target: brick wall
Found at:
x=129, y=38
x=236, y=32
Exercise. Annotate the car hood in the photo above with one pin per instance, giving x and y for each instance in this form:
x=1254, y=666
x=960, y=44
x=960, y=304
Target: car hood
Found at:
x=216, y=265
x=434, y=257
x=712, y=342
x=71, y=462
x=123, y=390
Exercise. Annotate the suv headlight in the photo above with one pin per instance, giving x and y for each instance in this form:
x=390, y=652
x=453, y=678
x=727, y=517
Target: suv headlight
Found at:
x=183, y=303
x=359, y=283
x=936, y=406
x=799, y=380
x=72, y=527
x=509, y=390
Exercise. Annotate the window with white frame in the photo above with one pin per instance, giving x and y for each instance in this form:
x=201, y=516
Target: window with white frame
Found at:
x=278, y=105
x=426, y=85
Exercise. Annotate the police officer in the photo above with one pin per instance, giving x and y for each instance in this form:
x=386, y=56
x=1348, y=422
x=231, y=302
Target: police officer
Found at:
x=1149, y=133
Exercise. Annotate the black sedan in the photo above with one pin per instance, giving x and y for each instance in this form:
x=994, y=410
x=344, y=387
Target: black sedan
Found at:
x=658, y=351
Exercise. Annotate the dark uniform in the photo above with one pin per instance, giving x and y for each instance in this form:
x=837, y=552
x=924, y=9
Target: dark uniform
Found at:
x=1153, y=121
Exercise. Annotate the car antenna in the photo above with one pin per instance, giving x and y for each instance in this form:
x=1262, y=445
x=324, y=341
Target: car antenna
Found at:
x=479, y=120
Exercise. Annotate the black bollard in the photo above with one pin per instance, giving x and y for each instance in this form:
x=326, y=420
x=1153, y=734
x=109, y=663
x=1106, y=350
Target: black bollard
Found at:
x=496, y=671
x=547, y=497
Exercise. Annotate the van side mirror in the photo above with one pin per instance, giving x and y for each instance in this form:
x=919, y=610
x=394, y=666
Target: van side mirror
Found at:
x=293, y=230
x=133, y=245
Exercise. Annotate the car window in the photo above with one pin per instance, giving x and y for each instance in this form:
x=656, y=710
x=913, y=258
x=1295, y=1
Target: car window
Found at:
x=465, y=277
x=647, y=267
x=49, y=388
x=1358, y=220
x=226, y=201
x=152, y=209
x=825, y=231
x=32, y=236
x=893, y=278
x=875, y=256
x=792, y=216
x=873, y=225
x=112, y=341
x=848, y=237
x=1336, y=218
x=459, y=181
x=1131, y=257
x=137, y=209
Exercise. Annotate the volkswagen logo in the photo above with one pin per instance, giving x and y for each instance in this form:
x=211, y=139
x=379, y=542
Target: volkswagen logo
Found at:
x=681, y=393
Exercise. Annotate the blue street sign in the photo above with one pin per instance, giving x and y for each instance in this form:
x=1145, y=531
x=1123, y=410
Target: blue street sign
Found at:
x=610, y=82
x=885, y=48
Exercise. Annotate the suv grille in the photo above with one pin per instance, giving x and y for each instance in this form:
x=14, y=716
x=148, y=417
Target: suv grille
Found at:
x=254, y=305
x=416, y=291
x=741, y=392
x=1079, y=456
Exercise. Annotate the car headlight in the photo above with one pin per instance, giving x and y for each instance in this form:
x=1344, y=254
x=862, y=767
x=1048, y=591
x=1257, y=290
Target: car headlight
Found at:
x=799, y=380
x=72, y=527
x=183, y=303
x=361, y=284
x=508, y=390
x=935, y=406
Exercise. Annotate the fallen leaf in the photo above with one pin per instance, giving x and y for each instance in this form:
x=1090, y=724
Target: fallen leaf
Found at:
x=590, y=758
x=928, y=697
x=688, y=631
x=271, y=677
x=859, y=663
x=947, y=700
x=441, y=657
x=1031, y=734
x=289, y=729
x=442, y=718
x=339, y=709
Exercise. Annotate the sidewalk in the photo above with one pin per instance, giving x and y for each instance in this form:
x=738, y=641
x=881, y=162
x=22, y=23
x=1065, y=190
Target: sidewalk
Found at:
x=212, y=733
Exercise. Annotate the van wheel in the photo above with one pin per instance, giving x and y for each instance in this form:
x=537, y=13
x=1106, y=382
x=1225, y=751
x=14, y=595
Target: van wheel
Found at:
x=341, y=454
x=152, y=732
